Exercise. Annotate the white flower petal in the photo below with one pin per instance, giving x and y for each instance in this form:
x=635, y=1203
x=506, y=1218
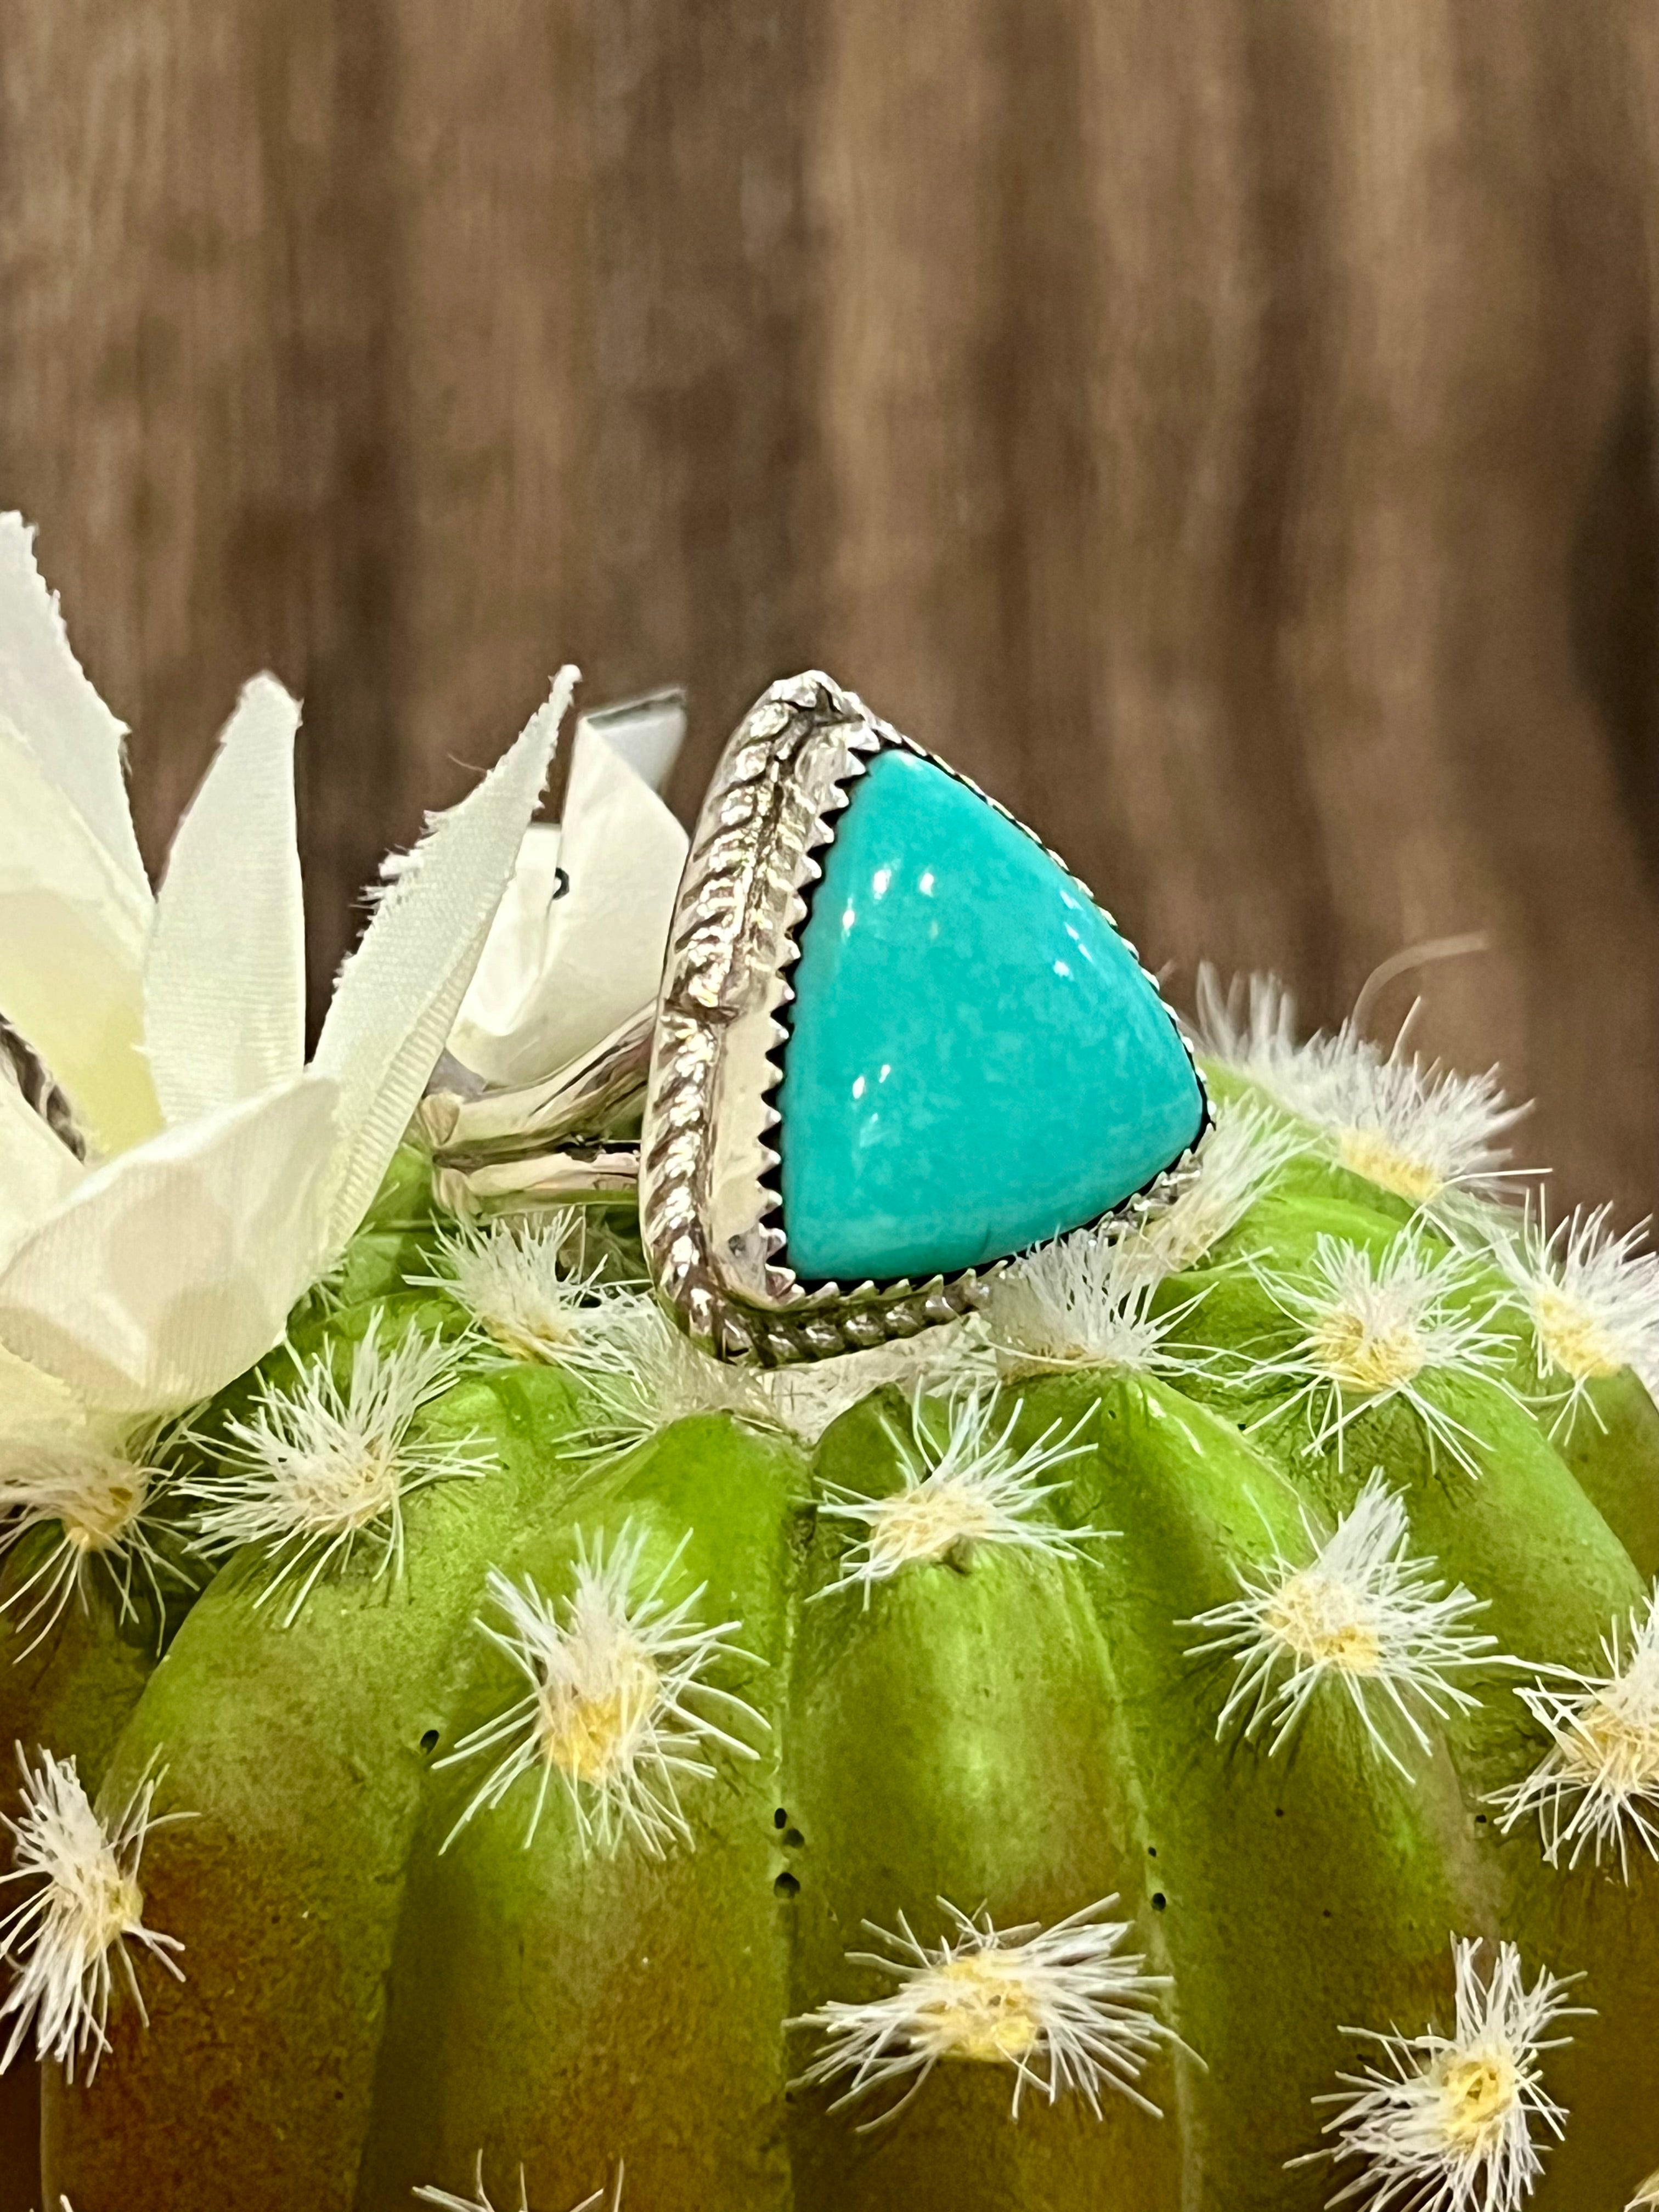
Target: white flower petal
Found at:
x=172, y=1268
x=499, y=1000
x=72, y=931
x=46, y=697
x=561, y=972
x=398, y=993
x=647, y=732
x=36, y=1168
x=225, y=979
x=32, y=1402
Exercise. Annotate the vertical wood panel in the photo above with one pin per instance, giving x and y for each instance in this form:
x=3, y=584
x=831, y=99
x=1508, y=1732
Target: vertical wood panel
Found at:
x=491, y=383
x=1229, y=430
x=911, y=133
x=198, y=340
x=1206, y=360
x=711, y=524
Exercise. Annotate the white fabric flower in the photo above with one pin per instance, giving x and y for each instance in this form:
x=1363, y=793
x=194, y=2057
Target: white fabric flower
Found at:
x=577, y=945
x=224, y=1176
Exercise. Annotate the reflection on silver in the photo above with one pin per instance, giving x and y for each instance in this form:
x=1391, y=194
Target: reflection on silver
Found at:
x=594, y=1092
x=594, y=1174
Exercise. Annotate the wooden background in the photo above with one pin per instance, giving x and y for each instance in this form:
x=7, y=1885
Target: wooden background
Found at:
x=1225, y=427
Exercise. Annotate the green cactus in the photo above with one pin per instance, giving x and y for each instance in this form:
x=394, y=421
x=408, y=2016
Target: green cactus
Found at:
x=1031, y=1767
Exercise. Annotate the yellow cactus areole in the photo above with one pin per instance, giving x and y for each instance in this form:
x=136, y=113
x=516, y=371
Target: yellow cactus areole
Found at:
x=1083, y=1301
x=1063, y=2006
x=321, y=1465
x=592, y=1731
x=1325, y=1623
x=1614, y=1743
x=65, y=1937
x=618, y=1703
x=982, y=2008
x=104, y=1508
x=1573, y=1337
x=1370, y=1153
x=1376, y=1327
x=924, y=1524
x=1478, y=2096
x=529, y=1290
x=1368, y=1347
x=345, y=1493
x=1244, y=1151
x=94, y=1492
x=1365, y=1610
x=1591, y=1298
x=965, y=1483
x=1597, y=1787
x=1447, y=2121
x=1418, y=1130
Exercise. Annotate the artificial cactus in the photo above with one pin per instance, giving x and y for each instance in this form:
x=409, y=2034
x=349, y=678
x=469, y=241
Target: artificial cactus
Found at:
x=1187, y=1737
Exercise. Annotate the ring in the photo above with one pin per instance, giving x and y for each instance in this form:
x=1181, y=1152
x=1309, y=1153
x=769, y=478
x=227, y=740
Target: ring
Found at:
x=896, y=1044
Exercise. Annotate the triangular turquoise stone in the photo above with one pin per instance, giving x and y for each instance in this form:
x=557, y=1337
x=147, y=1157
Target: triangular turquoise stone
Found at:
x=976, y=1060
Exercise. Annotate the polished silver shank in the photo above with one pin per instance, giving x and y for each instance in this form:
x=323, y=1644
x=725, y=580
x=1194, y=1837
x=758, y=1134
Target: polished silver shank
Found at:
x=592, y=1174
x=709, y=1215
x=587, y=1097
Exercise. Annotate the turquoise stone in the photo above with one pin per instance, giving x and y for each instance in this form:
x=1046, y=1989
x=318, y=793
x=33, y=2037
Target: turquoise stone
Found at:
x=975, y=1060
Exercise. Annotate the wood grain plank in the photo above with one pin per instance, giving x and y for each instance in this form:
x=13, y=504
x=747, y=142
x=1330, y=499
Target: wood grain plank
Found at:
x=1228, y=430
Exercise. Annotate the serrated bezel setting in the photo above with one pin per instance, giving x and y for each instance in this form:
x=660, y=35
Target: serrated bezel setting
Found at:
x=710, y=1215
